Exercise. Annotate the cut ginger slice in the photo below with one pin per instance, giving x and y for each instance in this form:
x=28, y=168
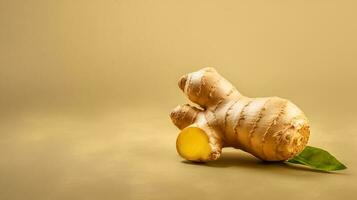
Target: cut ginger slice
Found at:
x=193, y=144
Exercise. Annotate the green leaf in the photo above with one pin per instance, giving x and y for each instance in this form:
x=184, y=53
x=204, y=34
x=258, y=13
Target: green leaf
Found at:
x=317, y=158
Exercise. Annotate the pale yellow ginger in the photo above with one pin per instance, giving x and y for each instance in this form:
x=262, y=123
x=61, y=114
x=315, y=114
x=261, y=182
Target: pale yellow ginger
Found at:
x=271, y=128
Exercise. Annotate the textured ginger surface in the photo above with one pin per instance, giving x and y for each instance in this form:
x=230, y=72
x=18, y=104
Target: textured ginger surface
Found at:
x=270, y=128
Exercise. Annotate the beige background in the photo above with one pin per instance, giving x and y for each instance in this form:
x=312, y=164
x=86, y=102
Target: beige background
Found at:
x=86, y=88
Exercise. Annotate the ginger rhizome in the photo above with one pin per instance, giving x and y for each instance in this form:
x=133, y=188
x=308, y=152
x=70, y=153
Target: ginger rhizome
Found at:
x=270, y=128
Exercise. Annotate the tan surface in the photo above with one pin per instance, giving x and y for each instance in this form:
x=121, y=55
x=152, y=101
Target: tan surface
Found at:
x=86, y=88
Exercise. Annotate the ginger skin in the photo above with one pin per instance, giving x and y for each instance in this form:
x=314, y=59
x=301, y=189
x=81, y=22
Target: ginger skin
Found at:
x=270, y=128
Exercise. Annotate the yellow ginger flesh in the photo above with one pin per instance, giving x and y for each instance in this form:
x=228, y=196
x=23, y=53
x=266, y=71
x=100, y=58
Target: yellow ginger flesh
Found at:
x=192, y=144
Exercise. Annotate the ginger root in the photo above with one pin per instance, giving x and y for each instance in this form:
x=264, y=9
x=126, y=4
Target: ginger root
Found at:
x=270, y=128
